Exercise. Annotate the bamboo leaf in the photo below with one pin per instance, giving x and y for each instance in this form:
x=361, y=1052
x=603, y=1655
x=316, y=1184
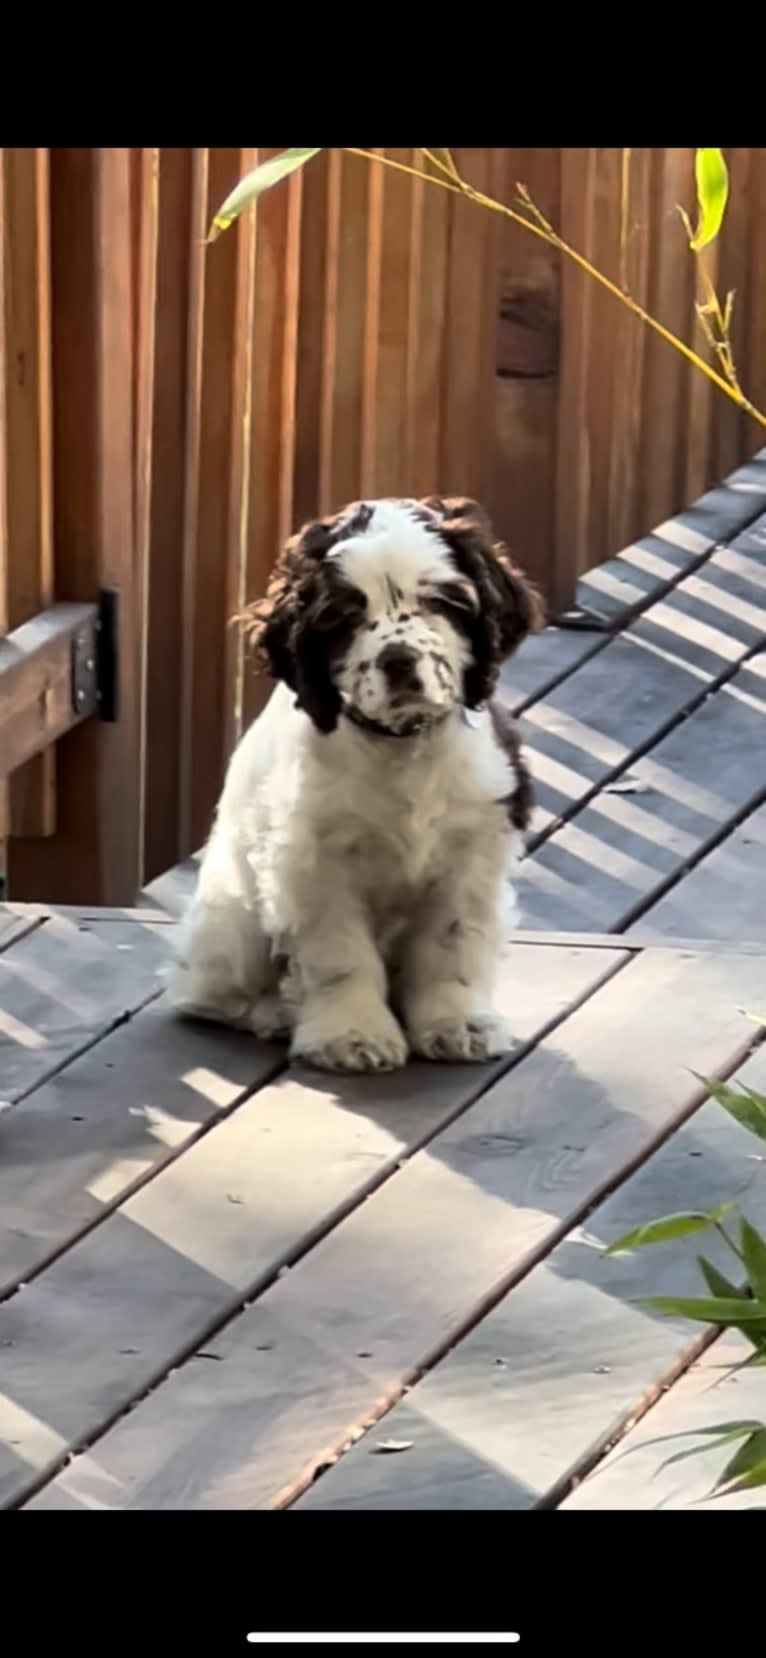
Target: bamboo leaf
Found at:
x=728, y=1311
x=661, y=1231
x=754, y=1256
x=263, y=177
x=745, y=1106
x=712, y=176
x=749, y=1481
x=721, y=1435
x=717, y=1283
x=721, y=1286
x=747, y=1467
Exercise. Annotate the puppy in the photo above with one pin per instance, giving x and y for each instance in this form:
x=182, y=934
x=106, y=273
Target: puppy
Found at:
x=352, y=893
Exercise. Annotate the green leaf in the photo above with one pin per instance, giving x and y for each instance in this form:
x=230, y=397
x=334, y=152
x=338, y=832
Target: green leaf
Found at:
x=745, y=1106
x=712, y=177
x=749, y=1481
x=721, y=1435
x=717, y=1283
x=748, y=1464
x=754, y=1255
x=721, y=1286
x=660, y=1231
x=262, y=177
x=728, y=1311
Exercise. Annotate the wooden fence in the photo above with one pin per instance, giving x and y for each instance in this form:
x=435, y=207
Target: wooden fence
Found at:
x=168, y=412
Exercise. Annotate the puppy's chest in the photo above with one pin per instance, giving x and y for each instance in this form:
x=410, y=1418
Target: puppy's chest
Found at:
x=396, y=840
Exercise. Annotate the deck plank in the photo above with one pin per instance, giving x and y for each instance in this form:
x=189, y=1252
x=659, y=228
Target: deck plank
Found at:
x=622, y=701
x=64, y=984
x=624, y=847
x=640, y=574
x=13, y=926
x=722, y=897
x=124, y=1301
x=633, y=1477
x=393, y=1282
x=74, y=1148
x=532, y=1392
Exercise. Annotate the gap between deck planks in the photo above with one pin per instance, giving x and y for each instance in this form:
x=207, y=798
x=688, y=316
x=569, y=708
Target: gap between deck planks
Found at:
x=634, y=1475
x=134, y=1101
x=650, y=677
x=534, y=1391
x=649, y=568
x=65, y=981
x=381, y=1295
x=624, y=850
x=235, y=1206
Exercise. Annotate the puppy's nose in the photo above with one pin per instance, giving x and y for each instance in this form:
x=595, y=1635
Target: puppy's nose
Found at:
x=399, y=664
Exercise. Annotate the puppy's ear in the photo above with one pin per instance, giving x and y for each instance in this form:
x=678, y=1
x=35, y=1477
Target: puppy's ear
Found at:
x=279, y=625
x=510, y=607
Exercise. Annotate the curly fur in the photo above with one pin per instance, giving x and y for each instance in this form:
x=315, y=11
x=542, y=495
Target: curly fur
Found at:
x=351, y=894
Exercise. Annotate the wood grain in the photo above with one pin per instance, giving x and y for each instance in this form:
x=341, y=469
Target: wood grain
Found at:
x=610, y=859
x=394, y=1284
x=634, y=1477
x=95, y=853
x=533, y=1391
x=66, y=983
x=190, y=1246
x=719, y=899
x=74, y=1148
x=28, y=413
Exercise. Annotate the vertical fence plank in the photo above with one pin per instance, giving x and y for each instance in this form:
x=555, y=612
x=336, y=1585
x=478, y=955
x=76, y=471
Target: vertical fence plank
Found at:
x=164, y=634
x=394, y=326
x=27, y=360
x=431, y=239
x=207, y=586
x=629, y=335
x=272, y=417
x=95, y=853
x=317, y=333
x=742, y=210
x=574, y=462
x=471, y=334
x=355, y=188
x=666, y=377
x=526, y=389
x=241, y=461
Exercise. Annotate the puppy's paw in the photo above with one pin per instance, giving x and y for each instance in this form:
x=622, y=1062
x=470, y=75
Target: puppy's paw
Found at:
x=378, y=1045
x=481, y=1036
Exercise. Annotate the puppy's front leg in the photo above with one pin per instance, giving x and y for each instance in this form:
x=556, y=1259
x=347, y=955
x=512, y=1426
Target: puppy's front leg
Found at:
x=451, y=961
x=344, y=1022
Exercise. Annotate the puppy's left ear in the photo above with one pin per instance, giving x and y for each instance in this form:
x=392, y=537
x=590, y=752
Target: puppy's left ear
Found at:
x=510, y=606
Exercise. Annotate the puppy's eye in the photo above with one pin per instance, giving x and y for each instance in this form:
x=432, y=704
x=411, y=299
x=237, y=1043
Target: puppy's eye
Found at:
x=452, y=596
x=339, y=610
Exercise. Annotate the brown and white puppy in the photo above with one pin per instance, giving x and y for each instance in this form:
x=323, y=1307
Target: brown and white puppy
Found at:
x=353, y=892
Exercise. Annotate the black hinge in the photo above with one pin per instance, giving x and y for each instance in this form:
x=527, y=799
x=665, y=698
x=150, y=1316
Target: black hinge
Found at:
x=95, y=662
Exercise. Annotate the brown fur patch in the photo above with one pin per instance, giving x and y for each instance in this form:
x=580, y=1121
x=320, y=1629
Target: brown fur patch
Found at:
x=520, y=801
x=510, y=607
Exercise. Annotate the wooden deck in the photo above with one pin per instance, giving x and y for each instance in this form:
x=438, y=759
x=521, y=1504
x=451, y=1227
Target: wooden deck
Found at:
x=231, y=1283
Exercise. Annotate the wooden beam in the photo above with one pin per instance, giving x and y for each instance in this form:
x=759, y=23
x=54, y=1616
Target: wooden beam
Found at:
x=47, y=681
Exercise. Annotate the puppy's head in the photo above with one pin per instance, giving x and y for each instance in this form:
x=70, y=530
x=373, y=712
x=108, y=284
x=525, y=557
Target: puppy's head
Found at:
x=396, y=610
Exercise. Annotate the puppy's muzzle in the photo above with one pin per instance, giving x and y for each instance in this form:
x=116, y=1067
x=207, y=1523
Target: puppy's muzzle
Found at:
x=399, y=665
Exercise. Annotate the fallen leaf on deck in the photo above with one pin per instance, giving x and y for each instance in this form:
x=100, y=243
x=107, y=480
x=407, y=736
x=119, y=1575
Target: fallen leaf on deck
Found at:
x=626, y=785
